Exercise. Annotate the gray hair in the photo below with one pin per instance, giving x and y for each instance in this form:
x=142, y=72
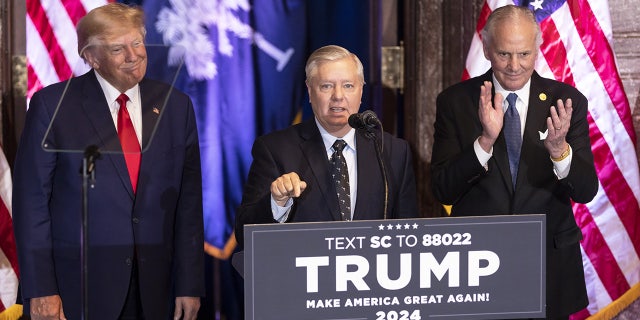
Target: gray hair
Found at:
x=331, y=53
x=505, y=13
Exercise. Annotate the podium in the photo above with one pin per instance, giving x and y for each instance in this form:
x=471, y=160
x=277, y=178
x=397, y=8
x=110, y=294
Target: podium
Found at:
x=490, y=267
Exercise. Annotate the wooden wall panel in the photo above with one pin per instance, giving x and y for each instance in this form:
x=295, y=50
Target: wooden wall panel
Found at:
x=423, y=80
x=626, y=44
x=437, y=35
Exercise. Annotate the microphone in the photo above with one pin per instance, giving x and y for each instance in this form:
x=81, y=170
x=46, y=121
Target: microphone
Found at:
x=366, y=120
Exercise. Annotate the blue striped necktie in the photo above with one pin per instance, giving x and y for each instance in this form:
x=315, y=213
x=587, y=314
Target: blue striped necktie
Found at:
x=513, y=136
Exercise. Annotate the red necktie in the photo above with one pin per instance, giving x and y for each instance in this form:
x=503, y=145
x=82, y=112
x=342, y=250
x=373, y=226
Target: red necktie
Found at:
x=128, y=140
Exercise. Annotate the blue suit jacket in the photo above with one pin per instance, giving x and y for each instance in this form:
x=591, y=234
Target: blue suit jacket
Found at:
x=460, y=180
x=162, y=223
x=300, y=149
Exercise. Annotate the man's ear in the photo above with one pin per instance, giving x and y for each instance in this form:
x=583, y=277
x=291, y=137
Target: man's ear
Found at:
x=91, y=60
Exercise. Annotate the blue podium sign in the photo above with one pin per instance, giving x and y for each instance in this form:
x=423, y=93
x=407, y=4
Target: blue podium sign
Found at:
x=434, y=268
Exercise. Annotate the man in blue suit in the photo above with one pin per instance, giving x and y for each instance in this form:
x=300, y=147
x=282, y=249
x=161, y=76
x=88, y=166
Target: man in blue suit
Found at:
x=145, y=228
x=291, y=178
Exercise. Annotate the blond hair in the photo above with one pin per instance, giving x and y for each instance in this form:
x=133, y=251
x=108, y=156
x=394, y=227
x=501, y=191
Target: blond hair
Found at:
x=101, y=22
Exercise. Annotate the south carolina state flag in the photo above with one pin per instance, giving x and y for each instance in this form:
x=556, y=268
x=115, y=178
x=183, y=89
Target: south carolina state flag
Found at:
x=577, y=49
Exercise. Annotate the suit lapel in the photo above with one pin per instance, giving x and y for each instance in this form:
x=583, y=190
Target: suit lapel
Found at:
x=314, y=151
x=152, y=106
x=96, y=108
x=536, y=123
x=153, y=99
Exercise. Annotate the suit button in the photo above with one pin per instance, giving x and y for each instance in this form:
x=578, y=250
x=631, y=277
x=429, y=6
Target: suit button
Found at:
x=136, y=220
x=128, y=261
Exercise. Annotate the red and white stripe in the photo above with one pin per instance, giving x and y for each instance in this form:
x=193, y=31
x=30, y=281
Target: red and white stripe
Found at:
x=52, y=48
x=577, y=49
x=8, y=256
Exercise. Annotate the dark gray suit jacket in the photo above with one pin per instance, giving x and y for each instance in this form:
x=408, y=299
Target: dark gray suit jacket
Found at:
x=460, y=180
x=300, y=149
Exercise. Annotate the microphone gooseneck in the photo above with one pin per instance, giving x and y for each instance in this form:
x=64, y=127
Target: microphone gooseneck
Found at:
x=385, y=181
x=367, y=121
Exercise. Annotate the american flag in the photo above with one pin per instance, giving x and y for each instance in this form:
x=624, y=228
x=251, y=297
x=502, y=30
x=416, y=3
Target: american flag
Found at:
x=8, y=256
x=577, y=49
x=52, y=48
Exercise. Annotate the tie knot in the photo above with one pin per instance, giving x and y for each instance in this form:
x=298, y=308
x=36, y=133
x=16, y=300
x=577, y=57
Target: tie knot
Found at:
x=122, y=99
x=511, y=99
x=339, y=145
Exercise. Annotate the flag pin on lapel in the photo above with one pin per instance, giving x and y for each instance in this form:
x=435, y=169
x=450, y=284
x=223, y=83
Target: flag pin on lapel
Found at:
x=156, y=110
x=543, y=97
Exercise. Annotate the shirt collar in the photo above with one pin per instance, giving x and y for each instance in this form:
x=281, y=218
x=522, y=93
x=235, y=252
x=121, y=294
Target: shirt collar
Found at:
x=328, y=139
x=111, y=93
x=523, y=93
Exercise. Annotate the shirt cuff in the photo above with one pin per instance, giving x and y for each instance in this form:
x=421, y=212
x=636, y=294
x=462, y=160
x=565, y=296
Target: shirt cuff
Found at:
x=561, y=168
x=483, y=157
x=281, y=214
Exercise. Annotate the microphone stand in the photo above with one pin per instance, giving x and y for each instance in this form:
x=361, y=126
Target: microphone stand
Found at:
x=91, y=153
x=371, y=135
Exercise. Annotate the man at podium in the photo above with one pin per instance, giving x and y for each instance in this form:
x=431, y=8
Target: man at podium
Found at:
x=323, y=169
x=512, y=142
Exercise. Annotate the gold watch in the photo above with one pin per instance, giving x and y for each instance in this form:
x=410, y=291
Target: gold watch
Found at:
x=563, y=156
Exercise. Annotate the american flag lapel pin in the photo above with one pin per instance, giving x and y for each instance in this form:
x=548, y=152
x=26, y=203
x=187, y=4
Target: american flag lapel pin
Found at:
x=156, y=110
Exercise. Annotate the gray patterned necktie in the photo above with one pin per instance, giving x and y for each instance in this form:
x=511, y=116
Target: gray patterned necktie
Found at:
x=513, y=136
x=340, y=175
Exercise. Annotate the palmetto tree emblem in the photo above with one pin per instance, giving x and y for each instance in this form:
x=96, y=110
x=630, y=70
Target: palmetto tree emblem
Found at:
x=186, y=25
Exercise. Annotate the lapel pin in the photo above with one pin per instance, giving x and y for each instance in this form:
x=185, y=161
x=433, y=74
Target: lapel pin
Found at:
x=543, y=97
x=156, y=110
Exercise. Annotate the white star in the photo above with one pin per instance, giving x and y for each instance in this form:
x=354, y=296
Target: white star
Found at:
x=389, y=227
x=415, y=226
x=381, y=227
x=406, y=226
x=537, y=4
